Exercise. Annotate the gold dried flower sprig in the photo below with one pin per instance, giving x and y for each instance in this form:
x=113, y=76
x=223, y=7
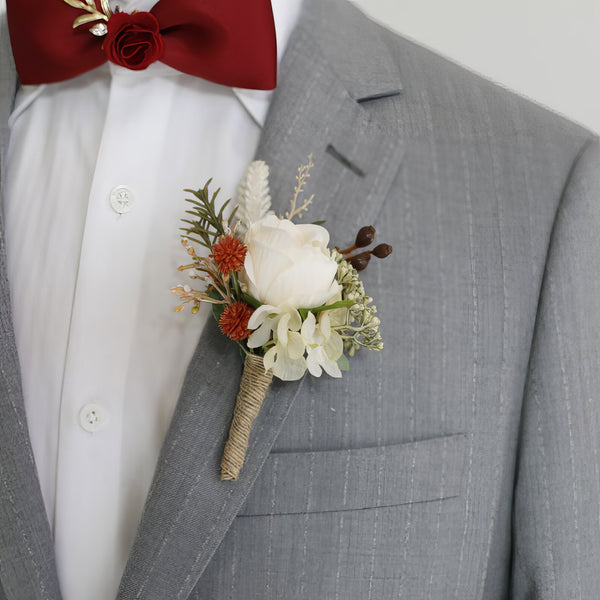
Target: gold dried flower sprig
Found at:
x=301, y=177
x=89, y=6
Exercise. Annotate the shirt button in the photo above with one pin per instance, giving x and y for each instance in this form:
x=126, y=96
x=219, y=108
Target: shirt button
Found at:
x=93, y=417
x=121, y=199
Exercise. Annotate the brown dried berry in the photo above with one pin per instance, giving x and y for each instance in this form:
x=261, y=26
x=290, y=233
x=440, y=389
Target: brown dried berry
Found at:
x=365, y=236
x=382, y=250
x=360, y=261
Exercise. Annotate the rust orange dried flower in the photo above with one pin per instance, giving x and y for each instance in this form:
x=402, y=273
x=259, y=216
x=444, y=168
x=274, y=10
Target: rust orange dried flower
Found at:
x=234, y=321
x=229, y=253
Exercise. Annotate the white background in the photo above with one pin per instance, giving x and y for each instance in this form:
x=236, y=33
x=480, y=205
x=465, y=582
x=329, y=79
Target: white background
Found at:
x=548, y=50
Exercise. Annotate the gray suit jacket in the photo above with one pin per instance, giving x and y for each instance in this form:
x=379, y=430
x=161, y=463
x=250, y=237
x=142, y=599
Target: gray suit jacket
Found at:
x=463, y=461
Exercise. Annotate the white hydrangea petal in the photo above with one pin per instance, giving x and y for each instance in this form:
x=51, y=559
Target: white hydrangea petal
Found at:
x=333, y=346
x=312, y=362
x=295, y=322
x=331, y=368
x=324, y=325
x=338, y=316
x=282, y=329
x=288, y=369
x=295, y=345
x=308, y=328
x=260, y=336
x=269, y=358
x=261, y=314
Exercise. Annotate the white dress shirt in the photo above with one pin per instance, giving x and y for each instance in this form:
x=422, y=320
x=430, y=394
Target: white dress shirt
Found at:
x=93, y=200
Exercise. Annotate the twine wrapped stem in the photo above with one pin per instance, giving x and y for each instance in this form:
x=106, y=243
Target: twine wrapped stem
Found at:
x=253, y=389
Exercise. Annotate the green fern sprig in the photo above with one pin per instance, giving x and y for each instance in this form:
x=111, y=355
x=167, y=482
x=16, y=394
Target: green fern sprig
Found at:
x=208, y=224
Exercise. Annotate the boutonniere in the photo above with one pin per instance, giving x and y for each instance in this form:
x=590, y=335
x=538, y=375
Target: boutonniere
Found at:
x=291, y=303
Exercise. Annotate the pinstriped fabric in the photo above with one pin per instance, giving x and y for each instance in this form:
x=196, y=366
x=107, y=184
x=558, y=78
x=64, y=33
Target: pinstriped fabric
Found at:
x=309, y=503
x=8, y=82
x=411, y=342
x=560, y=426
x=499, y=192
x=470, y=216
x=26, y=555
x=359, y=479
x=463, y=461
x=443, y=330
x=474, y=335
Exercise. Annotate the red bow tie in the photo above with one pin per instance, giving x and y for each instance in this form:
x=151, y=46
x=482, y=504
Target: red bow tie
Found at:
x=231, y=42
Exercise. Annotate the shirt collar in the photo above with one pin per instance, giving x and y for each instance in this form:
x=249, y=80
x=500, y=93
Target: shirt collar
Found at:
x=256, y=102
x=285, y=15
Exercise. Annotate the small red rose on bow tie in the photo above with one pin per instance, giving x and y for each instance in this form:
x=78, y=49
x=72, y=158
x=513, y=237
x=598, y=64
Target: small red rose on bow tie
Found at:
x=133, y=40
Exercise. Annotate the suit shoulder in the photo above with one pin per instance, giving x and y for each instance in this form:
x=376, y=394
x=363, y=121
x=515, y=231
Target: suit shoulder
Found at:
x=456, y=96
x=444, y=105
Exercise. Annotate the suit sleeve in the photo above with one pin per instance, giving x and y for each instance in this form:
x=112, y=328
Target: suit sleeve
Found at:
x=556, y=513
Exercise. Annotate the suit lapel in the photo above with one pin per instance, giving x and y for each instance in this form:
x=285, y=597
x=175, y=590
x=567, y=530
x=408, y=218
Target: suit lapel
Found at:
x=318, y=109
x=27, y=568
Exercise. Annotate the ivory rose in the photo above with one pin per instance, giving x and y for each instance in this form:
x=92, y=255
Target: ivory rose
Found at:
x=289, y=264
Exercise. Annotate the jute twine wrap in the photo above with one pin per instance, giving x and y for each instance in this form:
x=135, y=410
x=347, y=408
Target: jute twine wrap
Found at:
x=253, y=388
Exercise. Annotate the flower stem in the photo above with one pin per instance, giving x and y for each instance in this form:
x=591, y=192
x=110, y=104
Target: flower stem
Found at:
x=253, y=389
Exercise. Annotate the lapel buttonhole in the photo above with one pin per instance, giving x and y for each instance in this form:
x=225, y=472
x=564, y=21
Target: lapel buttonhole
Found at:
x=346, y=162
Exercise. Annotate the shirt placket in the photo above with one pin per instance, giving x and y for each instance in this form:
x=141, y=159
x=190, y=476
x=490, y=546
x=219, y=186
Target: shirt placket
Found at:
x=100, y=345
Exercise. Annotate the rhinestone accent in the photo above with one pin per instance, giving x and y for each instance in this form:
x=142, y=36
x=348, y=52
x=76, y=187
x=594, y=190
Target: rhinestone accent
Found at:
x=99, y=29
